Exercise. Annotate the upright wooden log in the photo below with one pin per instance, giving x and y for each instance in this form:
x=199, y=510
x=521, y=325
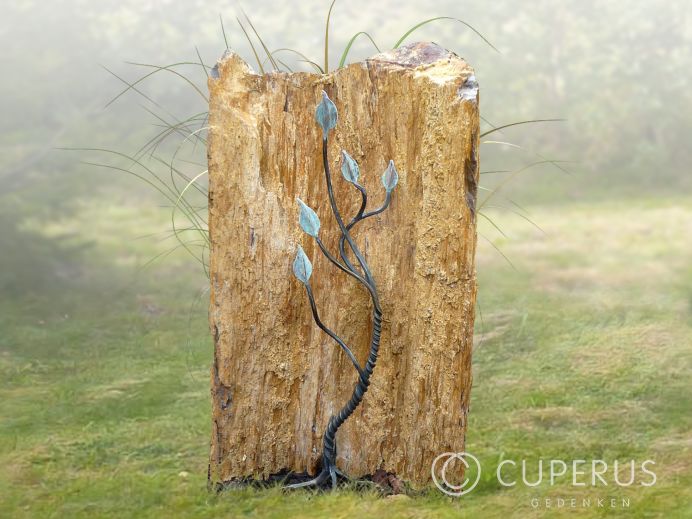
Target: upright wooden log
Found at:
x=276, y=378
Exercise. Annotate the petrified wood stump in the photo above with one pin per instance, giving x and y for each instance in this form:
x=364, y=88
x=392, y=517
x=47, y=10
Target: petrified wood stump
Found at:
x=276, y=378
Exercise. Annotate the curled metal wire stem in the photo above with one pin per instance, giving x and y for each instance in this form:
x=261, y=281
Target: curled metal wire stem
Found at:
x=329, y=471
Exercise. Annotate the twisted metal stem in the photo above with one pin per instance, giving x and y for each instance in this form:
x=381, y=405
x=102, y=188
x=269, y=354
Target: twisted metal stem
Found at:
x=360, y=216
x=329, y=441
x=329, y=447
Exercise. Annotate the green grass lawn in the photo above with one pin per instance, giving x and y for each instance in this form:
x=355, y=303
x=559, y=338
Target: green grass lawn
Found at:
x=583, y=352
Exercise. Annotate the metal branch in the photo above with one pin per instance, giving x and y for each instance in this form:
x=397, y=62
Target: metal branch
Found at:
x=385, y=205
x=329, y=439
x=342, y=226
x=336, y=262
x=364, y=202
x=334, y=336
x=359, y=217
x=327, y=116
x=354, y=274
x=342, y=251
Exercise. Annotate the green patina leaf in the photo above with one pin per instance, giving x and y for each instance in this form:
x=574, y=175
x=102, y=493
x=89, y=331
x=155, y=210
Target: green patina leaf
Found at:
x=302, y=268
x=390, y=177
x=309, y=221
x=349, y=168
x=326, y=114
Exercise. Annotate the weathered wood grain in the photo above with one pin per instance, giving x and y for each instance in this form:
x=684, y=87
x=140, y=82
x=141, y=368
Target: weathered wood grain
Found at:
x=276, y=377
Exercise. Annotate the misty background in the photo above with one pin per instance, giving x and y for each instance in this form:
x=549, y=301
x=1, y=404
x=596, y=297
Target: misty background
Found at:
x=617, y=71
x=584, y=267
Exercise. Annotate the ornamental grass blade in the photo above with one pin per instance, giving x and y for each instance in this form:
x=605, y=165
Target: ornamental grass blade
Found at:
x=531, y=121
x=266, y=49
x=223, y=31
x=303, y=57
x=344, y=55
x=254, y=50
x=326, y=38
x=430, y=20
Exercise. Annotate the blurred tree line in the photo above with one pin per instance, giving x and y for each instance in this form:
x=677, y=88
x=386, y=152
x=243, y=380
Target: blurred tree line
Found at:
x=616, y=70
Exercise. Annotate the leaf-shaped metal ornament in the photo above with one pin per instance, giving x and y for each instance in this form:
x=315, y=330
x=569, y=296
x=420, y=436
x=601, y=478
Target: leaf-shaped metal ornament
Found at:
x=326, y=114
x=390, y=177
x=302, y=268
x=349, y=168
x=309, y=221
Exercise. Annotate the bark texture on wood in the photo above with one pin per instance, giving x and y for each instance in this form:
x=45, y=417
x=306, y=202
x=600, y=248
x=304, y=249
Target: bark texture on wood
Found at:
x=276, y=377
